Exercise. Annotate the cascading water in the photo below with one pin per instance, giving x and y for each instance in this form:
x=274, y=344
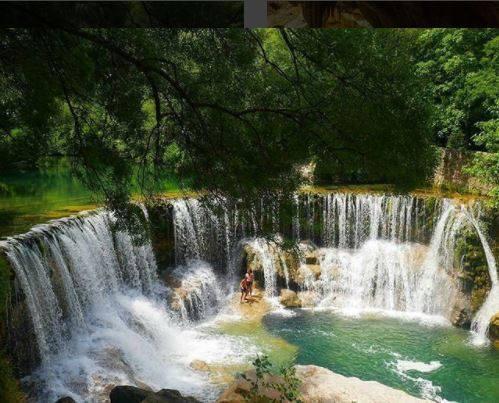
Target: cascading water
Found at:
x=387, y=253
x=200, y=293
x=266, y=254
x=100, y=316
x=67, y=267
x=491, y=305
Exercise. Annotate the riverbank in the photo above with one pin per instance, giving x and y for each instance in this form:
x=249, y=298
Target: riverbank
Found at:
x=318, y=385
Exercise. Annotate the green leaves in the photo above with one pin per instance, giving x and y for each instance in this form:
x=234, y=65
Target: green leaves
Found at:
x=286, y=383
x=235, y=111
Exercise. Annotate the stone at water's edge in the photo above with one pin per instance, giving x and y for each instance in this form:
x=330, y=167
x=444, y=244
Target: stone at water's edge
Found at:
x=290, y=299
x=320, y=385
x=132, y=394
x=494, y=330
x=199, y=365
x=66, y=399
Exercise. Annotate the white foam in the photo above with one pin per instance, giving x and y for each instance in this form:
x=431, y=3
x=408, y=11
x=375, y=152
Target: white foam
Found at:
x=427, y=389
x=407, y=365
x=133, y=338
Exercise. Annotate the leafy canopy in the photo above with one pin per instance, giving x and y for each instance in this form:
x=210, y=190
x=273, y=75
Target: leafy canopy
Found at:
x=461, y=67
x=235, y=111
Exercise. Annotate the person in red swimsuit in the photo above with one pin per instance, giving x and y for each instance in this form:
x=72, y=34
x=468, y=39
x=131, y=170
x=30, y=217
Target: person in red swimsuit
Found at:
x=244, y=289
x=250, y=278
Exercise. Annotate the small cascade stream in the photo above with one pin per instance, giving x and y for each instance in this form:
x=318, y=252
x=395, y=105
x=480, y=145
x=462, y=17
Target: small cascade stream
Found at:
x=101, y=313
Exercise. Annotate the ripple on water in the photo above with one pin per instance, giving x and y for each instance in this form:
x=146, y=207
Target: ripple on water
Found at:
x=433, y=362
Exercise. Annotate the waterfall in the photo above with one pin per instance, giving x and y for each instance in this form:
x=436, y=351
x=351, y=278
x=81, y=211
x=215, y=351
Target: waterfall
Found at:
x=267, y=254
x=349, y=220
x=66, y=267
x=201, y=234
x=491, y=305
x=100, y=316
x=383, y=252
x=200, y=293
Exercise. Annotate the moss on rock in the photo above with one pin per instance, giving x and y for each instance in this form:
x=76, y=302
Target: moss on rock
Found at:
x=10, y=390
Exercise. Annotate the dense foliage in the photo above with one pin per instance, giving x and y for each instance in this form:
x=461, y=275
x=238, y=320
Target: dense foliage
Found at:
x=233, y=110
x=237, y=111
x=461, y=67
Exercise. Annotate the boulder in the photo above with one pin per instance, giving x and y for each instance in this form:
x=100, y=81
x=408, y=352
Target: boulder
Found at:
x=494, y=330
x=320, y=385
x=311, y=257
x=239, y=390
x=171, y=396
x=66, y=399
x=308, y=273
x=132, y=394
x=128, y=394
x=461, y=313
x=308, y=299
x=199, y=365
x=290, y=299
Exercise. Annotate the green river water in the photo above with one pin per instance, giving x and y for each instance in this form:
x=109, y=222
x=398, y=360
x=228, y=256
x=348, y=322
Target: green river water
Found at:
x=35, y=197
x=435, y=362
x=29, y=198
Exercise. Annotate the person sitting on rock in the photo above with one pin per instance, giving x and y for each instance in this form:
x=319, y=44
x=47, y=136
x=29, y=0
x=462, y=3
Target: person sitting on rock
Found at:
x=250, y=277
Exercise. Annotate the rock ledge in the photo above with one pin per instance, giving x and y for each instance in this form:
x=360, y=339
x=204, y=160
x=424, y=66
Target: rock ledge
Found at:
x=320, y=385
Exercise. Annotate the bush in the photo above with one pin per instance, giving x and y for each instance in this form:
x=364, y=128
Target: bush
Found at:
x=288, y=387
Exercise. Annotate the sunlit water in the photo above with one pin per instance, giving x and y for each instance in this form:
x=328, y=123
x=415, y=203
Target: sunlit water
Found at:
x=436, y=362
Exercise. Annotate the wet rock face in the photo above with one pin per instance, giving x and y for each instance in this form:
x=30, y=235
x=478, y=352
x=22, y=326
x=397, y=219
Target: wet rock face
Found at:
x=292, y=267
x=285, y=267
x=16, y=327
x=494, y=330
x=132, y=394
x=290, y=299
x=66, y=399
x=461, y=315
x=162, y=233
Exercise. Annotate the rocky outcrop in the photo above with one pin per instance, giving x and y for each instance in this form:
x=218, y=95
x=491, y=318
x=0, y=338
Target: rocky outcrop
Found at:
x=494, y=330
x=199, y=365
x=132, y=394
x=290, y=299
x=66, y=399
x=286, y=263
x=450, y=173
x=293, y=267
x=320, y=385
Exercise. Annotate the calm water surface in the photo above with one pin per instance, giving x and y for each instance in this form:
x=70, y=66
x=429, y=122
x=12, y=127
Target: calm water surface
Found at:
x=30, y=198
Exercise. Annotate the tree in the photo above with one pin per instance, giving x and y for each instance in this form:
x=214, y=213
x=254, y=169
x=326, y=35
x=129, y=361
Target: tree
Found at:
x=461, y=68
x=234, y=111
x=452, y=62
x=485, y=84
